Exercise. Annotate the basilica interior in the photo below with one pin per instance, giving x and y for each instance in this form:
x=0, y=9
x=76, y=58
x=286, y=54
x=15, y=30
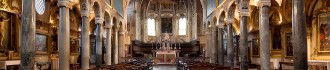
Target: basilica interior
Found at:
x=164, y=34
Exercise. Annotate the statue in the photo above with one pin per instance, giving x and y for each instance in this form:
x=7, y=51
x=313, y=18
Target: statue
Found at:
x=2, y=29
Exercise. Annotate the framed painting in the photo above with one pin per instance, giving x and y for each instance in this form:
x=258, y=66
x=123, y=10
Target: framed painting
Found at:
x=41, y=44
x=255, y=47
x=324, y=32
x=288, y=45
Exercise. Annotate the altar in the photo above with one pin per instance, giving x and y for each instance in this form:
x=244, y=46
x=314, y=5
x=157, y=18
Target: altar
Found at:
x=165, y=56
x=166, y=52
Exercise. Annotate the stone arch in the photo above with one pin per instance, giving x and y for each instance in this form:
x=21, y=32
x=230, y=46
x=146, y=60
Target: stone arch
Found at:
x=114, y=22
x=221, y=17
x=107, y=23
x=230, y=17
x=231, y=12
x=121, y=25
x=107, y=20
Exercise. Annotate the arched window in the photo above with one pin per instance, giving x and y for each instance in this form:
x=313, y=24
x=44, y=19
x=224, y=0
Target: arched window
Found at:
x=151, y=27
x=182, y=26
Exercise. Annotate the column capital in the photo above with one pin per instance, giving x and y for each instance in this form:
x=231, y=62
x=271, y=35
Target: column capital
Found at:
x=229, y=20
x=108, y=26
x=99, y=20
x=220, y=25
x=122, y=31
x=244, y=8
x=84, y=7
x=262, y=3
x=244, y=13
x=64, y=3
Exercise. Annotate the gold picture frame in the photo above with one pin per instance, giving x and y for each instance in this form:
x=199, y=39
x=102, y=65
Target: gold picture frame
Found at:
x=255, y=48
x=41, y=44
x=323, y=33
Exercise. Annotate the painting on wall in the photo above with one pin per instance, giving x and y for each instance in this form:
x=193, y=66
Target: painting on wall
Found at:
x=166, y=25
x=324, y=32
x=255, y=47
x=276, y=33
x=40, y=43
x=288, y=43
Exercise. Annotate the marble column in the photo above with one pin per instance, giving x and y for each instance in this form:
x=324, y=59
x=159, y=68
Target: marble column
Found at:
x=264, y=38
x=230, y=48
x=27, y=35
x=85, y=45
x=108, y=44
x=64, y=35
x=213, y=45
x=208, y=48
x=299, y=36
x=194, y=21
x=220, y=45
x=98, y=43
x=244, y=50
x=116, y=44
x=121, y=49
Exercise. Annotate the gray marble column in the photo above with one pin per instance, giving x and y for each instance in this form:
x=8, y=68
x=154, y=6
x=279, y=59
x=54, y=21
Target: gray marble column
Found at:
x=108, y=45
x=116, y=44
x=121, y=52
x=27, y=35
x=85, y=45
x=220, y=45
x=230, y=48
x=299, y=36
x=264, y=38
x=213, y=45
x=64, y=35
x=208, y=48
x=244, y=50
x=98, y=44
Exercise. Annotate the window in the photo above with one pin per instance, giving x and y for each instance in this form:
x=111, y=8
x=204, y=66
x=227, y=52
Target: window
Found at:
x=182, y=26
x=151, y=27
x=109, y=2
x=40, y=6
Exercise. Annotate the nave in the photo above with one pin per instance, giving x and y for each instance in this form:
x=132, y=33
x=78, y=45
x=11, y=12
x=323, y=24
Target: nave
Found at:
x=148, y=34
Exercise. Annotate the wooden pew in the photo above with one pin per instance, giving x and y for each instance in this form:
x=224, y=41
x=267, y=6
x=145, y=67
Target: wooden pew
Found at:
x=132, y=64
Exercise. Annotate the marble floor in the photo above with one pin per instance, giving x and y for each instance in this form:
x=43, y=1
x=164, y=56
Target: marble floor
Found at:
x=164, y=67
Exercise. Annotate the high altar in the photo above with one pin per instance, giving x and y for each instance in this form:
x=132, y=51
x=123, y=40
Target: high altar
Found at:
x=167, y=52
